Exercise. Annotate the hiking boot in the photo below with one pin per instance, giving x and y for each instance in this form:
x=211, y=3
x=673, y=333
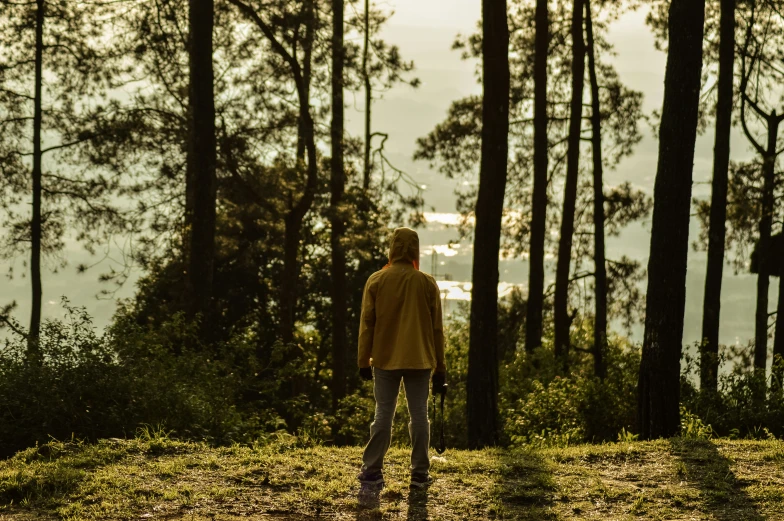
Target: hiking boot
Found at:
x=420, y=480
x=371, y=478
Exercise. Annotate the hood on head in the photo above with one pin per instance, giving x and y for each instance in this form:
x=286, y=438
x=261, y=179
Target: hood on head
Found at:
x=404, y=246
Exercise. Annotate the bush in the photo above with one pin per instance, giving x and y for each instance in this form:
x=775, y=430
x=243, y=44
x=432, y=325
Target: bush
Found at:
x=745, y=406
x=549, y=414
x=89, y=386
x=536, y=403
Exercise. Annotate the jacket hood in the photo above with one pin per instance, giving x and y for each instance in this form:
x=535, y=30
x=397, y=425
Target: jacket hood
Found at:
x=404, y=246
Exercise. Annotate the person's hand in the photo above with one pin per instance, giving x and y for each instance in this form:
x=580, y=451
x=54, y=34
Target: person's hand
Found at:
x=366, y=373
x=439, y=383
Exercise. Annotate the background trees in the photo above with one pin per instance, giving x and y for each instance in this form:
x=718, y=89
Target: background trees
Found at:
x=50, y=64
x=214, y=139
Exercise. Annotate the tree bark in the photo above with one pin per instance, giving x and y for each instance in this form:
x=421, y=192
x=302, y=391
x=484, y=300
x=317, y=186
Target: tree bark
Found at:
x=337, y=185
x=201, y=183
x=36, y=222
x=482, y=379
x=562, y=319
x=297, y=211
x=533, y=320
x=709, y=357
x=777, y=372
x=763, y=248
x=659, y=382
x=600, y=263
x=368, y=99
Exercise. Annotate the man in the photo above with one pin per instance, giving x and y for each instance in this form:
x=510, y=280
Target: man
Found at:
x=401, y=337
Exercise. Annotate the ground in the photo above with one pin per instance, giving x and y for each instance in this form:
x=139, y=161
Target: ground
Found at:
x=159, y=478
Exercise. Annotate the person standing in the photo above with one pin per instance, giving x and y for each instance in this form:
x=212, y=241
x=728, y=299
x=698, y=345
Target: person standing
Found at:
x=401, y=337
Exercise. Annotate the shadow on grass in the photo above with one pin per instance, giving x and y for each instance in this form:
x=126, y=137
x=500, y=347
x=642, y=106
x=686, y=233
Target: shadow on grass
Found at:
x=417, y=505
x=369, y=503
x=525, y=486
x=703, y=466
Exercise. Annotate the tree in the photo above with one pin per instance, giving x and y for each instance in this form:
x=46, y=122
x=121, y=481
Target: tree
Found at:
x=533, y=317
x=368, y=96
x=45, y=40
x=300, y=70
x=380, y=68
x=337, y=216
x=659, y=382
x=561, y=304
x=482, y=383
x=757, y=76
x=453, y=145
x=35, y=224
x=200, y=180
x=600, y=264
x=709, y=364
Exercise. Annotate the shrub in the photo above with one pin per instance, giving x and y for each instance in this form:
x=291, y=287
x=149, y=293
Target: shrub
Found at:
x=91, y=386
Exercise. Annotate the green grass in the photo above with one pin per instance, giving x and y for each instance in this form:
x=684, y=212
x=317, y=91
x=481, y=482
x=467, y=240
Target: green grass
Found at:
x=159, y=478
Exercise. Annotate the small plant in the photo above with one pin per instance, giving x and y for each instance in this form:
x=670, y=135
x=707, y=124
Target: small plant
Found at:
x=693, y=428
x=627, y=437
x=152, y=433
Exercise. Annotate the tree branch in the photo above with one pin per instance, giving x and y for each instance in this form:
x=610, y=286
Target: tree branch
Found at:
x=276, y=45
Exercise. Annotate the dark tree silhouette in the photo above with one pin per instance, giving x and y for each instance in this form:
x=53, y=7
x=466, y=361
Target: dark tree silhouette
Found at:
x=35, y=223
x=757, y=75
x=600, y=265
x=709, y=363
x=200, y=180
x=368, y=96
x=563, y=269
x=300, y=69
x=454, y=145
x=49, y=51
x=533, y=318
x=337, y=217
x=482, y=379
x=659, y=381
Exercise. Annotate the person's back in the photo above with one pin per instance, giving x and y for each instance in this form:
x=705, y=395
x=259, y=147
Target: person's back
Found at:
x=401, y=337
x=401, y=324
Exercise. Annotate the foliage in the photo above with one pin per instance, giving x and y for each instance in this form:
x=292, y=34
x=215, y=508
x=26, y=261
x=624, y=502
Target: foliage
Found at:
x=740, y=408
x=101, y=386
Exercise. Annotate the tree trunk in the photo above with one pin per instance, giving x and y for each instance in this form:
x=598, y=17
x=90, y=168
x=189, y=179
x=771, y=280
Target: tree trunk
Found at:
x=33, y=352
x=298, y=210
x=482, y=380
x=562, y=320
x=533, y=319
x=337, y=184
x=659, y=382
x=763, y=248
x=368, y=98
x=777, y=373
x=709, y=359
x=201, y=184
x=600, y=264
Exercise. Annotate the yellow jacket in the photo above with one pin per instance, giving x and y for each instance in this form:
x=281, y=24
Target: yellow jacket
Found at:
x=401, y=325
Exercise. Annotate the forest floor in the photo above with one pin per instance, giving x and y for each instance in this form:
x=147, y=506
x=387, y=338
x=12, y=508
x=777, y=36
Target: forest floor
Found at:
x=160, y=478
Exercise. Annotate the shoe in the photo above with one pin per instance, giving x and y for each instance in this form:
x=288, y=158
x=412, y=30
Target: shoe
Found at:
x=420, y=480
x=371, y=478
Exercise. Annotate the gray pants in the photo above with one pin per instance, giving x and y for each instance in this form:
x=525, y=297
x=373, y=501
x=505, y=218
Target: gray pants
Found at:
x=386, y=386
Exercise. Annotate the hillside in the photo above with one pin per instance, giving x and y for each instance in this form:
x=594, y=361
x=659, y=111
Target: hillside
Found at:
x=159, y=478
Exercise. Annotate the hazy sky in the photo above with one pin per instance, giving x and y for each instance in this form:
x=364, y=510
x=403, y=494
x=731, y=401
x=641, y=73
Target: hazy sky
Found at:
x=424, y=31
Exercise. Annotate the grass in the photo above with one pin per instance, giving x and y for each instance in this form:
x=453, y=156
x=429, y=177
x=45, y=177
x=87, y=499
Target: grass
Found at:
x=159, y=478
